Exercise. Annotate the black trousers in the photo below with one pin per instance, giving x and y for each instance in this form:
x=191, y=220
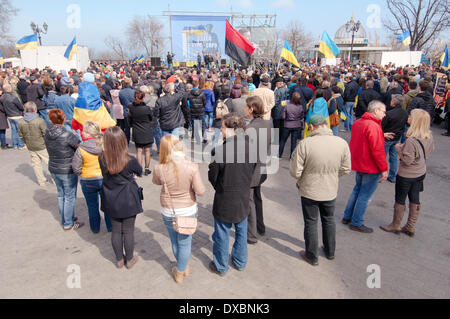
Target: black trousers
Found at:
x=311, y=210
x=255, y=219
x=286, y=132
x=123, y=124
x=123, y=237
x=278, y=124
x=447, y=123
x=410, y=187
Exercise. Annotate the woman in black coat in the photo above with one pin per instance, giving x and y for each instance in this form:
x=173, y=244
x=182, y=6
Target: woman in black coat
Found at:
x=120, y=193
x=140, y=119
x=3, y=127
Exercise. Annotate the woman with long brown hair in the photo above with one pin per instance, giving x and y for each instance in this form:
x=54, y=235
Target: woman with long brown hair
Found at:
x=182, y=184
x=120, y=193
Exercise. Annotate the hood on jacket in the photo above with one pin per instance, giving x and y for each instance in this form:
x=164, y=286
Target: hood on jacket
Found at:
x=196, y=92
x=55, y=131
x=28, y=117
x=91, y=146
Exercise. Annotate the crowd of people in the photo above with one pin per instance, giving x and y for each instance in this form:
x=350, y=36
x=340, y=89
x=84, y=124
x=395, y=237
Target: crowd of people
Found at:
x=388, y=112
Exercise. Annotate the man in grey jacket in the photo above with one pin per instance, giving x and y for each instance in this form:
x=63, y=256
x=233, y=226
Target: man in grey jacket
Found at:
x=317, y=163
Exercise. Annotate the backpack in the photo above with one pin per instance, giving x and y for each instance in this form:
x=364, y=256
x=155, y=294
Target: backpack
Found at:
x=221, y=109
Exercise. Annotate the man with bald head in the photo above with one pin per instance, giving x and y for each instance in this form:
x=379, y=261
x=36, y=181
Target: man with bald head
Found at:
x=367, y=95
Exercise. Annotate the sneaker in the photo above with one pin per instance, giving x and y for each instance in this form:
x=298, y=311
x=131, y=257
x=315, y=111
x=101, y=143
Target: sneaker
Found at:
x=23, y=148
x=309, y=261
x=147, y=172
x=213, y=268
x=391, y=181
x=326, y=255
x=362, y=229
x=76, y=226
x=7, y=147
x=252, y=242
x=346, y=221
x=445, y=134
x=45, y=184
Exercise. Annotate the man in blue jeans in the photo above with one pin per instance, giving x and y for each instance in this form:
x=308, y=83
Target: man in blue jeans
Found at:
x=369, y=162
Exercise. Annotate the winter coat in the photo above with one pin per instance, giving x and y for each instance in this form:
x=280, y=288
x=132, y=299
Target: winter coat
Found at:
x=395, y=122
x=197, y=102
x=231, y=180
x=61, y=146
x=126, y=96
x=210, y=100
x=424, y=101
x=3, y=119
x=11, y=105
x=49, y=99
x=119, y=193
x=85, y=161
x=140, y=119
x=281, y=94
x=293, y=116
x=388, y=96
x=32, y=130
x=22, y=86
x=364, y=99
x=408, y=99
x=35, y=93
x=318, y=162
x=117, y=108
x=268, y=98
x=367, y=146
x=350, y=92
x=169, y=111
x=412, y=162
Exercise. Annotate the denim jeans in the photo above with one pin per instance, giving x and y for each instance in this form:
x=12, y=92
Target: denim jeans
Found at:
x=335, y=130
x=181, y=244
x=174, y=132
x=293, y=132
x=66, y=185
x=348, y=111
x=209, y=119
x=44, y=115
x=216, y=137
x=157, y=135
x=196, y=121
x=311, y=210
x=389, y=149
x=16, y=141
x=91, y=191
x=366, y=185
x=221, y=239
x=3, y=137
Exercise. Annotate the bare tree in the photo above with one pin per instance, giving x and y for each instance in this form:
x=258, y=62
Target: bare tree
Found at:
x=145, y=32
x=7, y=11
x=117, y=46
x=424, y=19
x=297, y=37
x=92, y=53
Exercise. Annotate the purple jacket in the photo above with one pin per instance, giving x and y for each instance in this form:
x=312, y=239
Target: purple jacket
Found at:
x=293, y=116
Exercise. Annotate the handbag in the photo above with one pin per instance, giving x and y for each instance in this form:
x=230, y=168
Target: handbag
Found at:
x=140, y=189
x=334, y=118
x=182, y=225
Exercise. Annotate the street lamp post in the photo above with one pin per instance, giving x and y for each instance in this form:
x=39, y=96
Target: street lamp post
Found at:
x=352, y=27
x=36, y=29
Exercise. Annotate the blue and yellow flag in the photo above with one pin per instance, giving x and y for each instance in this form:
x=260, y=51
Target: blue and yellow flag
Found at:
x=288, y=54
x=327, y=47
x=71, y=49
x=1, y=58
x=135, y=59
x=29, y=42
x=141, y=59
x=444, y=59
x=405, y=38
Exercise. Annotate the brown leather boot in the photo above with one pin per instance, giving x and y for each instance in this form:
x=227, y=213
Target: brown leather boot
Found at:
x=409, y=229
x=394, y=227
x=177, y=276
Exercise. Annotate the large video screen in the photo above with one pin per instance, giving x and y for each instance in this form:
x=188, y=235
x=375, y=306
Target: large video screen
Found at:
x=197, y=34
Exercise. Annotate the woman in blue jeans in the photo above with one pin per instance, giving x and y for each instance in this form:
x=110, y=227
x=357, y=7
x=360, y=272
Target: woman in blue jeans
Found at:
x=182, y=184
x=61, y=146
x=86, y=165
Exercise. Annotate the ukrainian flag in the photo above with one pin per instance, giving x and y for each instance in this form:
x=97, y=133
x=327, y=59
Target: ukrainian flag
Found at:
x=71, y=49
x=28, y=43
x=327, y=47
x=1, y=58
x=135, y=59
x=444, y=59
x=141, y=59
x=405, y=38
x=288, y=54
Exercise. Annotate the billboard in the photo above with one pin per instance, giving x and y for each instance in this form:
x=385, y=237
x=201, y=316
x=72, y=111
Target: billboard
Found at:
x=197, y=34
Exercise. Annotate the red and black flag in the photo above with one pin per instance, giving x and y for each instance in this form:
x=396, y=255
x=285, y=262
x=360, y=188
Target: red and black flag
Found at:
x=237, y=46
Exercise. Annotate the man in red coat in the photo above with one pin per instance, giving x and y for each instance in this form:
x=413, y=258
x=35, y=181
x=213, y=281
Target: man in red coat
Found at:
x=369, y=163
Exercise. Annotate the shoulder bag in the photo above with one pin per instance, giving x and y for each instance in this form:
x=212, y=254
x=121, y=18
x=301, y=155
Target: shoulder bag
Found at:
x=140, y=189
x=182, y=225
x=334, y=118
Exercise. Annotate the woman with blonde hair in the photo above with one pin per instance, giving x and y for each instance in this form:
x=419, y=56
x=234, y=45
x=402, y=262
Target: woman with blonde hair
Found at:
x=182, y=184
x=413, y=154
x=86, y=165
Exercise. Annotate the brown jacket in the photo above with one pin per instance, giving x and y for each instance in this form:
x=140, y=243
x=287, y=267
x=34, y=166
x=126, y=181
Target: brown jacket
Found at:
x=184, y=189
x=412, y=161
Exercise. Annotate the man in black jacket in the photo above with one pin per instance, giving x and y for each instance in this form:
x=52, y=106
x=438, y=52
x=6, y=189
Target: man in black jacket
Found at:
x=447, y=117
x=394, y=88
x=393, y=126
x=168, y=108
x=35, y=93
x=11, y=106
x=424, y=100
x=22, y=88
x=197, y=102
x=365, y=98
x=350, y=93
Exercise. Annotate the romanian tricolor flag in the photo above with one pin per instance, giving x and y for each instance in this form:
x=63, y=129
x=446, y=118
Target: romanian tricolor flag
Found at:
x=89, y=107
x=327, y=47
x=71, y=49
x=405, y=38
x=28, y=43
x=288, y=54
x=445, y=58
x=237, y=46
x=1, y=58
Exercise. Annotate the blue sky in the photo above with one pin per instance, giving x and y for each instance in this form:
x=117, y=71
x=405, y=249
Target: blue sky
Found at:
x=100, y=18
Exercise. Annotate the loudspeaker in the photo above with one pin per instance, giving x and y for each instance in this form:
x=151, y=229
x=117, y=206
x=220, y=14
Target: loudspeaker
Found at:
x=155, y=61
x=223, y=61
